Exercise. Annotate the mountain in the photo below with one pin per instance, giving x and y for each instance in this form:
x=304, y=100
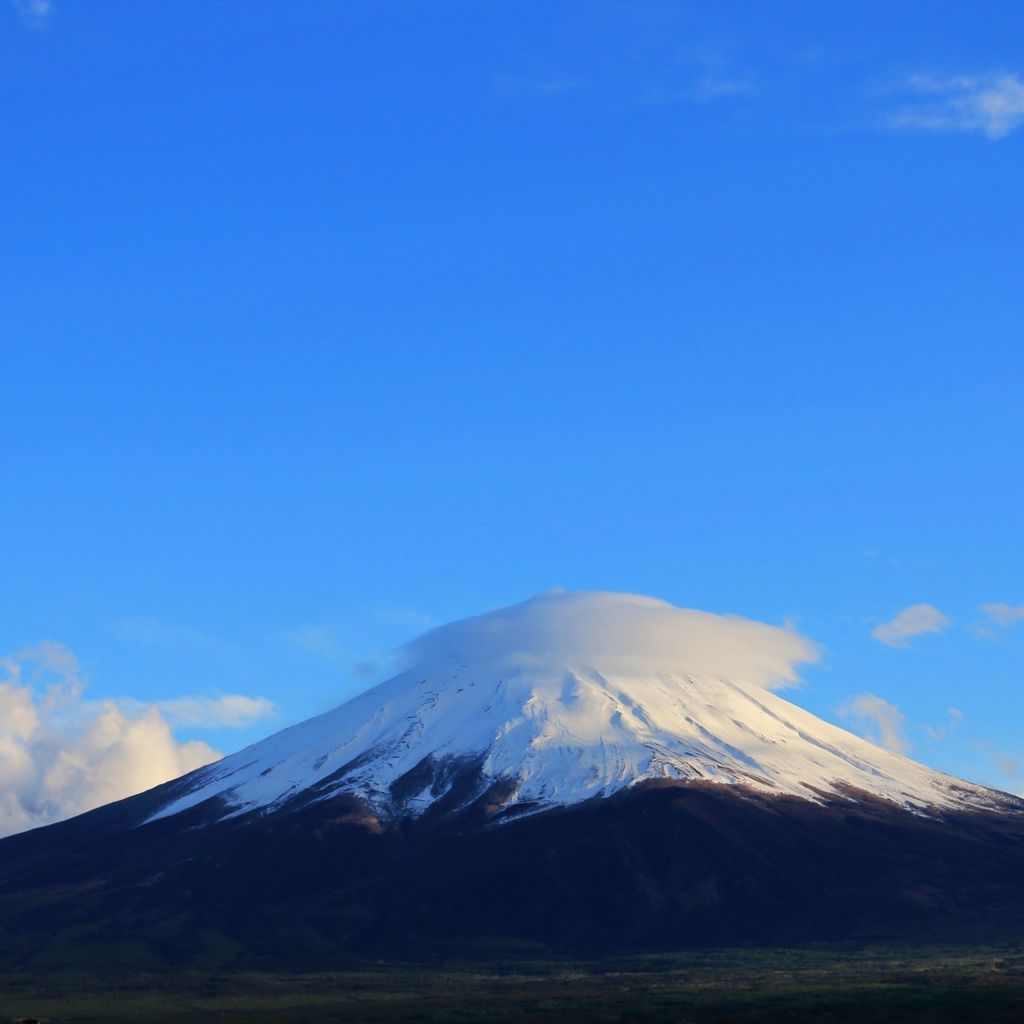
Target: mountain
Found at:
x=562, y=699
x=582, y=770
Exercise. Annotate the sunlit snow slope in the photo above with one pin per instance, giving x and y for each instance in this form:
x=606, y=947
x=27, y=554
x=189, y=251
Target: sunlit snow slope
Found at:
x=570, y=696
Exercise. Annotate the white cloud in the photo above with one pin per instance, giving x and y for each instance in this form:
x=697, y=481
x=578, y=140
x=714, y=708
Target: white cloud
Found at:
x=913, y=621
x=714, y=88
x=233, y=711
x=620, y=632
x=991, y=104
x=61, y=755
x=320, y=641
x=881, y=721
x=1004, y=615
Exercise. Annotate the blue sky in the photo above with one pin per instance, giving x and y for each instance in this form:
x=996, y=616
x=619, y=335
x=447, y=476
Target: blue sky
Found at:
x=325, y=323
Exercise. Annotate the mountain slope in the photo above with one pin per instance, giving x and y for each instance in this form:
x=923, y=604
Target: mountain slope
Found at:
x=662, y=865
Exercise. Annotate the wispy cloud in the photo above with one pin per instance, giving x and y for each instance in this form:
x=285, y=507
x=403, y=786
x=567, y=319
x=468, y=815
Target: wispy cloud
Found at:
x=1006, y=765
x=716, y=88
x=536, y=86
x=232, y=711
x=642, y=74
x=702, y=91
x=715, y=74
x=954, y=716
x=319, y=641
x=366, y=668
x=412, y=618
x=703, y=76
x=916, y=620
x=144, y=629
x=61, y=755
x=879, y=720
x=991, y=104
x=1004, y=615
x=34, y=12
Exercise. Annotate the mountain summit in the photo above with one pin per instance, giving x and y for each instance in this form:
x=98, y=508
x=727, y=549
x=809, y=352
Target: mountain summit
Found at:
x=563, y=698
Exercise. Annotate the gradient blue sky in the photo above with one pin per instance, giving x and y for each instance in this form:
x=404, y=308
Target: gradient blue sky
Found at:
x=326, y=322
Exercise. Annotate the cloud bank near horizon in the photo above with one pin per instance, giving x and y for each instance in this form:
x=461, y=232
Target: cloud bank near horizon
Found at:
x=61, y=754
x=619, y=632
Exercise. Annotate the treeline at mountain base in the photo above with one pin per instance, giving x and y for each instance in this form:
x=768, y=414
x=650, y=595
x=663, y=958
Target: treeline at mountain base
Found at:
x=822, y=985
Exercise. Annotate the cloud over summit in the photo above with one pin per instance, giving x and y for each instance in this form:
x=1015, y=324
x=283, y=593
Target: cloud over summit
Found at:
x=620, y=632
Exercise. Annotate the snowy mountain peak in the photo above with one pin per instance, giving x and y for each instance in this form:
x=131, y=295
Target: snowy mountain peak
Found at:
x=565, y=697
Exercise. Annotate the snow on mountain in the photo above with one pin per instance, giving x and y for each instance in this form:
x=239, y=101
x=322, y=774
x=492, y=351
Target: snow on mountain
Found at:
x=566, y=697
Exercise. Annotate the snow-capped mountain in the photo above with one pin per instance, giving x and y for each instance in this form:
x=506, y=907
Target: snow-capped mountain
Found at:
x=567, y=697
x=579, y=772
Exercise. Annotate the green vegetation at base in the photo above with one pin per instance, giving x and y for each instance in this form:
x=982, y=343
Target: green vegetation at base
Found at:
x=710, y=987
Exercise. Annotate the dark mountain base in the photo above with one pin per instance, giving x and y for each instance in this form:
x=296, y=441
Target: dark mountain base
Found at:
x=660, y=867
